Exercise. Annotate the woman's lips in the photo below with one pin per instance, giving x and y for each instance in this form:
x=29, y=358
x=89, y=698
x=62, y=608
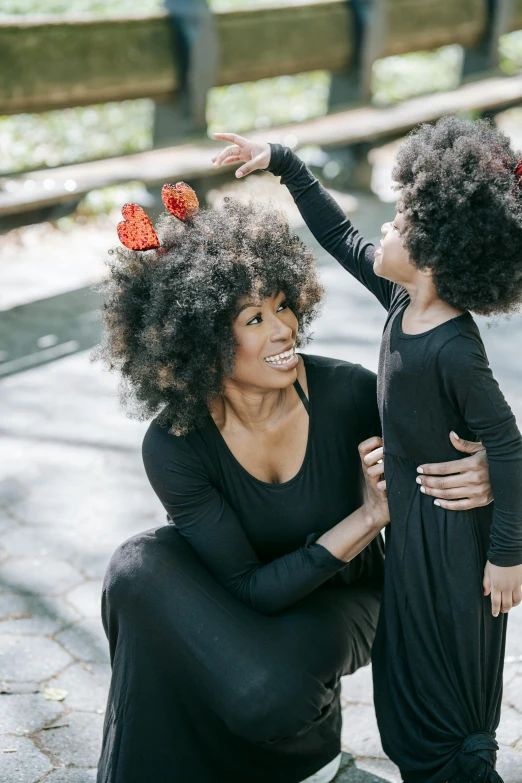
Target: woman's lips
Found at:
x=285, y=366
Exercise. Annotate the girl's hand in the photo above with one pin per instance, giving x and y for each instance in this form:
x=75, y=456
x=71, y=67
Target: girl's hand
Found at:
x=375, y=500
x=459, y=484
x=504, y=584
x=255, y=155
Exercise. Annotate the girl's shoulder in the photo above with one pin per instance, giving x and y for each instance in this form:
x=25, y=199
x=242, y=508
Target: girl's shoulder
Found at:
x=342, y=391
x=328, y=373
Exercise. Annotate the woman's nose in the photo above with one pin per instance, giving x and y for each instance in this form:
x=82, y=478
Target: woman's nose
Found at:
x=281, y=332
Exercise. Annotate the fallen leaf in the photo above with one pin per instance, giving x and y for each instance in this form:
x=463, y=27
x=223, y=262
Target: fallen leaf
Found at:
x=55, y=694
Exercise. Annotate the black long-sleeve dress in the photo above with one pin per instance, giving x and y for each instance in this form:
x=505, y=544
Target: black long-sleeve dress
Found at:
x=230, y=629
x=438, y=653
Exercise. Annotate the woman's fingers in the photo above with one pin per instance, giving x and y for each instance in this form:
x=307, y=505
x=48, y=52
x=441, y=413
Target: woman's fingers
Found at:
x=467, y=446
x=517, y=596
x=453, y=466
x=464, y=504
x=374, y=456
x=381, y=486
x=456, y=493
x=368, y=445
x=447, y=482
x=374, y=471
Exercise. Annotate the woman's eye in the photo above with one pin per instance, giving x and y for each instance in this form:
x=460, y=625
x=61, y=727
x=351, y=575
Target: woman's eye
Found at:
x=255, y=319
x=283, y=305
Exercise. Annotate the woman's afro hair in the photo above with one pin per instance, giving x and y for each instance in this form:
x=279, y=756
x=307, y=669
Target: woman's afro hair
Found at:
x=169, y=313
x=463, y=213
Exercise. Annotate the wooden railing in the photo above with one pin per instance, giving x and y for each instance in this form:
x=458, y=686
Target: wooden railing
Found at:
x=49, y=63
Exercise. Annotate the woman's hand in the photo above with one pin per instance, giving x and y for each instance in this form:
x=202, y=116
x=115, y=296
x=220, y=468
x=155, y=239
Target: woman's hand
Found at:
x=253, y=154
x=459, y=484
x=504, y=584
x=375, y=500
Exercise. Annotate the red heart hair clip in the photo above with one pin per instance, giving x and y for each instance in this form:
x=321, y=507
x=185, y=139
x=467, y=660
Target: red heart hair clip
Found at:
x=180, y=200
x=136, y=230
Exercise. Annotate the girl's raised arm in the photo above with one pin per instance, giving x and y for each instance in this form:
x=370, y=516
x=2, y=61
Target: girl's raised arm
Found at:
x=321, y=213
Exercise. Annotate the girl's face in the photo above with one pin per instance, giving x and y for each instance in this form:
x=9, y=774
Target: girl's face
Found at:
x=392, y=260
x=265, y=332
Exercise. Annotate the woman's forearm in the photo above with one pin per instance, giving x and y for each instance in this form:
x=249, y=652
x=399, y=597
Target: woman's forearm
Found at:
x=350, y=536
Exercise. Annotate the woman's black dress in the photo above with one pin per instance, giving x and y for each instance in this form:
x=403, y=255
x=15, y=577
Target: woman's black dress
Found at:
x=438, y=654
x=229, y=631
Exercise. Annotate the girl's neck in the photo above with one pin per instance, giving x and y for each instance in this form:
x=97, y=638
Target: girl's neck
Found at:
x=425, y=310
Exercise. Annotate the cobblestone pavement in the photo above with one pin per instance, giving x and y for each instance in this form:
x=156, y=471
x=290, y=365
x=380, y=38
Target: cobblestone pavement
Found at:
x=72, y=488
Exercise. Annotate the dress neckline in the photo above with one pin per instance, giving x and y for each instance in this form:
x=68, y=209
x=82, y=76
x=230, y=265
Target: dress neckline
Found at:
x=406, y=336
x=309, y=408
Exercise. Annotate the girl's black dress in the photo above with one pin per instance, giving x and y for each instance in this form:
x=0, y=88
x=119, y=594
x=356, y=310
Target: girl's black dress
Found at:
x=229, y=630
x=438, y=653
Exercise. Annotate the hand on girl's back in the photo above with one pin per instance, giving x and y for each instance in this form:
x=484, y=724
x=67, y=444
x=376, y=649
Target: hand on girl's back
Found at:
x=254, y=155
x=504, y=586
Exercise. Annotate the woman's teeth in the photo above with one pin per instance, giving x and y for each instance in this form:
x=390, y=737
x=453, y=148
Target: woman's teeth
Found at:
x=281, y=358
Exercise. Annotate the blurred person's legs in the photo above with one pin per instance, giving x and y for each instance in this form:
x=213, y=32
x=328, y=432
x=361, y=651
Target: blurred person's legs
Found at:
x=208, y=690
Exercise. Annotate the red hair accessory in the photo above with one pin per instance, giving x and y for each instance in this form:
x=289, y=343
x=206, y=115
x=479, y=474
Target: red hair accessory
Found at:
x=137, y=232
x=180, y=200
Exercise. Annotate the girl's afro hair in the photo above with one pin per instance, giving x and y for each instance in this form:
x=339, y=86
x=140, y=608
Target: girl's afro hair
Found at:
x=169, y=313
x=462, y=219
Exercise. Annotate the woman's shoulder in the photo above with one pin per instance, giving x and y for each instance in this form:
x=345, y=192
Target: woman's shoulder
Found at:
x=161, y=449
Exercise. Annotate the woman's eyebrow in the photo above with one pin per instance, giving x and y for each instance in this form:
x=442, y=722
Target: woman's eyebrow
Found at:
x=247, y=305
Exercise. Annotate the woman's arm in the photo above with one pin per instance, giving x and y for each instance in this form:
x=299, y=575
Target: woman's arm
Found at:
x=211, y=526
x=321, y=213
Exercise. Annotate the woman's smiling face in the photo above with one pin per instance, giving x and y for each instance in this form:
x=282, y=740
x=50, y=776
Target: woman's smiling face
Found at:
x=265, y=329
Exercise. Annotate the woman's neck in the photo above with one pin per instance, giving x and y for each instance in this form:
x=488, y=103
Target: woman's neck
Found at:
x=247, y=408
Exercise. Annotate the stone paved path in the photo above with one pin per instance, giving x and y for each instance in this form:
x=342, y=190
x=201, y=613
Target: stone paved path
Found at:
x=72, y=488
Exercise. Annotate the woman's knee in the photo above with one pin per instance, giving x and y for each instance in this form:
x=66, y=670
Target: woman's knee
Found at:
x=270, y=709
x=133, y=569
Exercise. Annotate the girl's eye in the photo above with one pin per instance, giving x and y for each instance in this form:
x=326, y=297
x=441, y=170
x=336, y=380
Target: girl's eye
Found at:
x=283, y=305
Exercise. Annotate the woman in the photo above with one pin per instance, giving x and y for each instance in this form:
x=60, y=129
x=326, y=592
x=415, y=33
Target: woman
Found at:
x=230, y=629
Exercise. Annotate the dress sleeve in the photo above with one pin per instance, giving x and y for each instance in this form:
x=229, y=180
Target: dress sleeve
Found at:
x=328, y=223
x=213, y=529
x=472, y=389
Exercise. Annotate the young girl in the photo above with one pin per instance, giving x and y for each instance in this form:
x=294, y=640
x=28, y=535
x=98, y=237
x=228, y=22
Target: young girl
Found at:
x=451, y=575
